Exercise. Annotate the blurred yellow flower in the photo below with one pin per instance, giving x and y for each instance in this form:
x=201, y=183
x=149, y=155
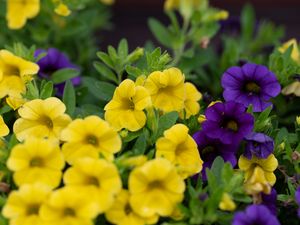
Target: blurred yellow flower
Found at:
x=171, y=4
x=69, y=206
x=295, y=55
x=201, y=118
x=293, y=88
x=62, y=10
x=19, y=11
x=167, y=89
x=175, y=4
x=155, y=188
x=41, y=119
x=36, y=160
x=90, y=137
x=191, y=105
x=3, y=128
x=298, y=120
x=121, y=213
x=99, y=177
x=180, y=148
x=23, y=206
x=226, y=203
x=108, y=2
x=125, y=110
x=14, y=73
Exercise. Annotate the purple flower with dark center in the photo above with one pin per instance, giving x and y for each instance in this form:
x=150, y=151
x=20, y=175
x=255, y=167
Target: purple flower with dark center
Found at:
x=210, y=149
x=229, y=122
x=250, y=84
x=297, y=198
x=52, y=62
x=269, y=200
x=255, y=215
x=258, y=144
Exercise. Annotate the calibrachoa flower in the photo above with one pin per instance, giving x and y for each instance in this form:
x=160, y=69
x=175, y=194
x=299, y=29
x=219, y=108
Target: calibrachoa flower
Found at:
x=255, y=215
x=258, y=144
x=121, y=212
x=297, y=198
x=23, y=206
x=259, y=176
x=126, y=109
x=269, y=200
x=155, y=188
x=53, y=61
x=19, y=11
x=3, y=128
x=14, y=73
x=250, y=84
x=90, y=137
x=191, y=105
x=210, y=149
x=167, y=89
x=228, y=122
x=41, y=119
x=36, y=160
x=179, y=147
x=69, y=206
x=99, y=177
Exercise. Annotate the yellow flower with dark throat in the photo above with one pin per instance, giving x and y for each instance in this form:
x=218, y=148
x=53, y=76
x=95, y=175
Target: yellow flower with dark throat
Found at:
x=126, y=109
x=180, y=148
x=155, y=188
x=36, y=160
x=90, y=137
x=41, y=119
x=167, y=89
x=23, y=206
x=98, y=177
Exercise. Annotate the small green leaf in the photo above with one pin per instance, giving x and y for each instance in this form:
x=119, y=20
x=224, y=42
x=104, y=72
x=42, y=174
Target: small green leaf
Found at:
x=140, y=145
x=69, y=98
x=105, y=72
x=248, y=22
x=133, y=71
x=46, y=90
x=162, y=34
x=123, y=49
x=62, y=75
x=166, y=121
x=106, y=59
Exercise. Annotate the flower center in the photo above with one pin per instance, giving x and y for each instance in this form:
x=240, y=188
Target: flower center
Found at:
x=155, y=185
x=93, y=140
x=36, y=162
x=93, y=181
x=11, y=70
x=47, y=121
x=129, y=104
x=207, y=150
x=127, y=209
x=33, y=209
x=69, y=212
x=230, y=125
x=252, y=87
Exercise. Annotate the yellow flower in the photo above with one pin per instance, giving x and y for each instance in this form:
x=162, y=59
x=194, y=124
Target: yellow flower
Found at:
x=36, y=160
x=125, y=110
x=155, y=188
x=298, y=120
x=180, y=148
x=201, y=118
x=177, y=214
x=108, y=2
x=69, y=206
x=23, y=206
x=90, y=137
x=295, y=52
x=62, y=10
x=99, y=178
x=121, y=213
x=14, y=73
x=259, y=172
x=226, y=203
x=293, y=88
x=41, y=119
x=19, y=11
x=191, y=105
x=3, y=128
x=167, y=89
x=140, y=80
x=16, y=101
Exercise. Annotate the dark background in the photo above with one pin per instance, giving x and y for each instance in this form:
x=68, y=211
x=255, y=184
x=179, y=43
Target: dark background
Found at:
x=129, y=17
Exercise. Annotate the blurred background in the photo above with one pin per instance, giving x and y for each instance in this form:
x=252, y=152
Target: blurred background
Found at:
x=130, y=17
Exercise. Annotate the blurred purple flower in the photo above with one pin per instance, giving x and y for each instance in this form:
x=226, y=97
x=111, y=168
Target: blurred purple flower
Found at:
x=52, y=62
x=258, y=144
x=255, y=215
x=269, y=200
x=297, y=198
x=229, y=122
x=250, y=84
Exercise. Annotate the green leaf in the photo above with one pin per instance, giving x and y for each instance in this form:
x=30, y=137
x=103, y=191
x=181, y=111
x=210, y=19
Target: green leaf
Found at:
x=133, y=71
x=101, y=90
x=5, y=109
x=248, y=22
x=62, y=75
x=161, y=33
x=166, y=121
x=106, y=59
x=105, y=72
x=140, y=145
x=69, y=98
x=46, y=90
x=123, y=49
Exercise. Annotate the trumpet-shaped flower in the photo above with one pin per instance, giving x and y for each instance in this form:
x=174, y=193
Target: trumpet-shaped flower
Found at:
x=167, y=89
x=41, y=119
x=121, y=213
x=23, y=206
x=100, y=177
x=155, y=188
x=90, y=137
x=36, y=160
x=3, y=128
x=69, y=206
x=295, y=55
x=180, y=148
x=19, y=11
x=125, y=110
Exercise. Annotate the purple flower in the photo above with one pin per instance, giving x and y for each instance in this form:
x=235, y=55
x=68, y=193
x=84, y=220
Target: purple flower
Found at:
x=297, y=198
x=250, y=84
x=255, y=215
x=228, y=122
x=269, y=200
x=210, y=149
x=52, y=62
x=258, y=144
